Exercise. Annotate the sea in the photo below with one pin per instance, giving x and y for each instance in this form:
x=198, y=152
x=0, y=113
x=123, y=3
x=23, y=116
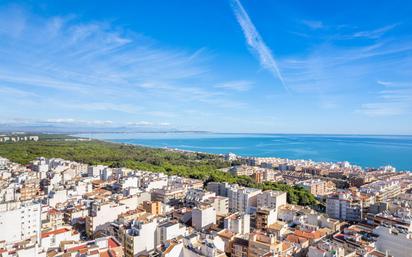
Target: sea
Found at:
x=367, y=151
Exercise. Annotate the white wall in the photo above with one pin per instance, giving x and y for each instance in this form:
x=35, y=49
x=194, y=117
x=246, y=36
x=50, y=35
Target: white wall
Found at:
x=203, y=217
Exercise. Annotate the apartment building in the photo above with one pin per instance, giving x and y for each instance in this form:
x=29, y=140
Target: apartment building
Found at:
x=318, y=187
x=153, y=207
x=265, y=217
x=382, y=190
x=101, y=215
x=29, y=191
x=168, y=195
x=140, y=238
x=218, y=188
x=14, y=138
x=196, y=195
x=203, y=216
x=271, y=199
x=20, y=221
x=345, y=207
x=221, y=205
x=95, y=171
x=261, y=244
x=242, y=199
x=169, y=230
x=237, y=223
x=240, y=246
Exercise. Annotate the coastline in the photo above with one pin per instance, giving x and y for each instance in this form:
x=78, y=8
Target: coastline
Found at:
x=176, y=149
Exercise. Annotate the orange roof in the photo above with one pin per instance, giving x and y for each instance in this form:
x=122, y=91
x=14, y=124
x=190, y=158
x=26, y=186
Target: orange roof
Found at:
x=113, y=243
x=54, y=232
x=310, y=235
x=296, y=239
x=105, y=254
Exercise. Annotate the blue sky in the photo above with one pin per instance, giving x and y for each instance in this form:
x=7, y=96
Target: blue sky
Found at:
x=217, y=65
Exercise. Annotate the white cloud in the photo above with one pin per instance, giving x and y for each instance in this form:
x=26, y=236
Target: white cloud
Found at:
x=374, y=34
x=102, y=106
x=76, y=121
x=313, y=24
x=382, y=109
x=140, y=123
x=255, y=41
x=70, y=65
x=329, y=67
x=60, y=120
x=148, y=124
x=13, y=92
x=384, y=83
x=240, y=85
x=395, y=99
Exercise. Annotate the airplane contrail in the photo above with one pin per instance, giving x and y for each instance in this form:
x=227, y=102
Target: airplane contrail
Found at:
x=255, y=41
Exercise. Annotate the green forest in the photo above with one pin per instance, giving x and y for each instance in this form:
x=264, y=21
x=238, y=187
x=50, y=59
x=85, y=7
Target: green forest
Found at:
x=186, y=164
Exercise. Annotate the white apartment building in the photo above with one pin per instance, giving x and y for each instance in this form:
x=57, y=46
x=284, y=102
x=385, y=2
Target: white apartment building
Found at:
x=154, y=184
x=20, y=221
x=128, y=182
x=238, y=223
x=9, y=194
x=203, y=216
x=140, y=238
x=344, y=207
x=101, y=215
x=195, y=195
x=218, y=188
x=271, y=199
x=105, y=174
x=95, y=171
x=40, y=166
x=57, y=196
x=221, y=205
x=169, y=230
x=383, y=190
x=3, y=161
x=242, y=199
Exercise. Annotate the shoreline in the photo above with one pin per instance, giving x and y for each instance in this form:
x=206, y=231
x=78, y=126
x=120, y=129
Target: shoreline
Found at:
x=174, y=149
x=238, y=133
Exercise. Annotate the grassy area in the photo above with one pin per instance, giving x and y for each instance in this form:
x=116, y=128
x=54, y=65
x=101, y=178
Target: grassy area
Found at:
x=194, y=165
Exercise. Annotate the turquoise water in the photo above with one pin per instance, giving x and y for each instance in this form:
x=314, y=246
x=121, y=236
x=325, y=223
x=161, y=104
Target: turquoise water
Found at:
x=366, y=151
